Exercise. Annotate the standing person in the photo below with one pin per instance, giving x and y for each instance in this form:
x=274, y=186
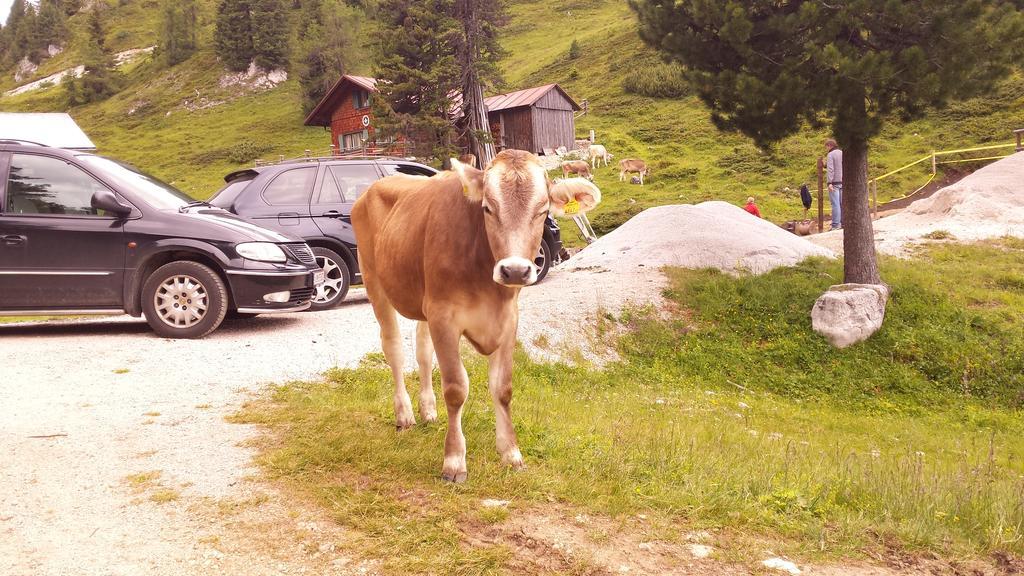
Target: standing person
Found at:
x=751, y=207
x=834, y=177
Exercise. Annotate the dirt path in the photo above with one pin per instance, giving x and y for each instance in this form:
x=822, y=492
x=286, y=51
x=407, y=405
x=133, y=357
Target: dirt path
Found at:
x=115, y=457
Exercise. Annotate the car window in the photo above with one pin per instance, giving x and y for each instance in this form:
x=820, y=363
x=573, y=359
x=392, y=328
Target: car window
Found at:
x=291, y=187
x=354, y=179
x=226, y=196
x=44, y=185
x=154, y=191
x=330, y=193
x=411, y=169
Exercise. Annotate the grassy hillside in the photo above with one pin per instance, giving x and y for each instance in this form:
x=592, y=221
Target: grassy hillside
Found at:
x=182, y=125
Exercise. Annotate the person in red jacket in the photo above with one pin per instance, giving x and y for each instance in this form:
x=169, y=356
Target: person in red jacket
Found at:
x=752, y=208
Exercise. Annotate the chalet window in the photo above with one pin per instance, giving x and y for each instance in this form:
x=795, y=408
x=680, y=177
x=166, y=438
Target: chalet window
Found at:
x=361, y=99
x=351, y=141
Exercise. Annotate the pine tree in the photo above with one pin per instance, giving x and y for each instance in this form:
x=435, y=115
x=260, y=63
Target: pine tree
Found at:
x=269, y=34
x=233, y=36
x=327, y=33
x=765, y=67
x=51, y=24
x=417, y=73
x=100, y=79
x=177, y=31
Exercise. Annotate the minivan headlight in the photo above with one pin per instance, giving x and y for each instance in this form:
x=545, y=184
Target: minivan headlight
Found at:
x=261, y=251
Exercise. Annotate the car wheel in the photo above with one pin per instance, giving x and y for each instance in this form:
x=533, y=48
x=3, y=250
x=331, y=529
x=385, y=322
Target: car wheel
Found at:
x=184, y=299
x=337, y=279
x=543, y=260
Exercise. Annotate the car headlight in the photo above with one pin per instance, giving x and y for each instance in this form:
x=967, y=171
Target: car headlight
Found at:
x=261, y=251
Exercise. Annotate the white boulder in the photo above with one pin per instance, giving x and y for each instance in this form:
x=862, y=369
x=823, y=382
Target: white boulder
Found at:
x=849, y=313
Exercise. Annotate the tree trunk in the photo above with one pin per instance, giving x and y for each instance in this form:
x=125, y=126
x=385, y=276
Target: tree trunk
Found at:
x=859, y=264
x=476, y=128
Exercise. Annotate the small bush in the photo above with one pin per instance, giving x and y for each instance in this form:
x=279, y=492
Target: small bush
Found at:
x=574, y=50
x=246, y=151
x=657, y=80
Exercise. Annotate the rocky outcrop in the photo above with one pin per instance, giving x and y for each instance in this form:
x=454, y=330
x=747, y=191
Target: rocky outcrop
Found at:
x=849, y=313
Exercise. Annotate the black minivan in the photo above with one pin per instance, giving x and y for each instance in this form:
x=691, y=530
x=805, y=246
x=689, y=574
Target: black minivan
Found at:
x=312, y=198
x=84, y=234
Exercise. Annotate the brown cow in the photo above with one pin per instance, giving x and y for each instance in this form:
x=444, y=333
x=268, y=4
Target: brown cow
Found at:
x=452, y=252
x=576, y=167
x=630, y=165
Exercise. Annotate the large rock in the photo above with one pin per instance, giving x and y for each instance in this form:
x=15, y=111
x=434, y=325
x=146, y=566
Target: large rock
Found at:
x=849, y=313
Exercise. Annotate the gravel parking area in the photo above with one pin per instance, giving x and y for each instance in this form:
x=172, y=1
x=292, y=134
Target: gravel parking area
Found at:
x=115, y=457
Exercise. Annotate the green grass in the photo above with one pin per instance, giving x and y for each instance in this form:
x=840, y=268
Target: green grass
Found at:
x=733, y=416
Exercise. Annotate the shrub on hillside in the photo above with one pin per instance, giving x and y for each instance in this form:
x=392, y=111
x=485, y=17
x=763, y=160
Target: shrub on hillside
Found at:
x=246, y=151
x=656, y=80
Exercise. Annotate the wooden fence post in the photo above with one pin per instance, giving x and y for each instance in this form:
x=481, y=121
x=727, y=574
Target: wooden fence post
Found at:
x=821, y=194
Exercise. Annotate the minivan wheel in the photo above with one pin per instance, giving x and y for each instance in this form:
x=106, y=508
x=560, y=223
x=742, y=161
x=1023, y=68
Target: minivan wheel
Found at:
x=337, y=279
x=184, y=299
x=543, y=259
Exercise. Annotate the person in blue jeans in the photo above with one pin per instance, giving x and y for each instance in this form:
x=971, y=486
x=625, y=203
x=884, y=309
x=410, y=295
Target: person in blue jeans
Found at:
x=834, y=177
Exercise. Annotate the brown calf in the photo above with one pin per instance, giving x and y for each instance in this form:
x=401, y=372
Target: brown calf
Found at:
x=576, y=167
x=452, y=252
x=631, y=165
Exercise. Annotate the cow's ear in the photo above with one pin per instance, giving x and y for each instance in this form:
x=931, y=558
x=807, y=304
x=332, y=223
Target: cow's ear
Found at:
x=472, y=179
x=573, y=196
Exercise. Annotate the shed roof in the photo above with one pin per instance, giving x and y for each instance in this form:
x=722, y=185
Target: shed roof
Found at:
x=526, y=97
x=55, y=129
x=321, y=114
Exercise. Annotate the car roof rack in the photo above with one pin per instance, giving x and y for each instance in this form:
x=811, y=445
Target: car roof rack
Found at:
x=20, y=142
x=365, y=153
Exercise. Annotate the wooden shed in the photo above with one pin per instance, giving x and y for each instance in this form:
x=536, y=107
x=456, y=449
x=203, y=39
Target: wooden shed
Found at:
x=535, y=119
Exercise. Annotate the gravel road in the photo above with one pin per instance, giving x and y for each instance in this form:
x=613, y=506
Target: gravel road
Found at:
x=112, y=439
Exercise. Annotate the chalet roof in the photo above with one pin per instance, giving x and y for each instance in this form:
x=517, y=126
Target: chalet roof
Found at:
x=526, y=97
x=55, y=129
x=321, y=114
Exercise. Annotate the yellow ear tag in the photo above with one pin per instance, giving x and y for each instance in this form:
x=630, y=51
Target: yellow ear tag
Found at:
x=572, y=207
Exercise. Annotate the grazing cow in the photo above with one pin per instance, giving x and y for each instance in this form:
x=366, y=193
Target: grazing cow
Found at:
x=452, y=252
x=631, y=165
x=576, y=167
x=597, y=154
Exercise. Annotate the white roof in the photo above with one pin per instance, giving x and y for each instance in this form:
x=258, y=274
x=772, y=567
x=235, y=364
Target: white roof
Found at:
x=55, y=129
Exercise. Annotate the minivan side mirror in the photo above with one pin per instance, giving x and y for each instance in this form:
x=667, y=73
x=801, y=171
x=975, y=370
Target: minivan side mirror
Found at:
x=105, y=200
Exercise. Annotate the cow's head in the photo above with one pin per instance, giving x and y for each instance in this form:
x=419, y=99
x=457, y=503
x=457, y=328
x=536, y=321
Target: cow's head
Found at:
x=515, y=195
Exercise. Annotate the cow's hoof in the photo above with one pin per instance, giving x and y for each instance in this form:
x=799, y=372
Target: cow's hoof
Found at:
x=514, y=460
x=429, y=417
x=405, y=424
x=454, y=477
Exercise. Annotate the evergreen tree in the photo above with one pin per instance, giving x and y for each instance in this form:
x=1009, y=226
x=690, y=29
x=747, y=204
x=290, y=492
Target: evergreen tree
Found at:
x=51, y=23
x=177, y=30
x=100, y=79
x=325, y=36
x=417, y=73
x=234, y=36
x=269, y=34
x=766, y=66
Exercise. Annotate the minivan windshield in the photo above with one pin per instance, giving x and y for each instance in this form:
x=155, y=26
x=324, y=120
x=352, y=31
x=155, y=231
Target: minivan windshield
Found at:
x=151, y=190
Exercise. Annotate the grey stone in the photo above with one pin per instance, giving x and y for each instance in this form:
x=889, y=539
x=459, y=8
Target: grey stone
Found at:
x=849, y=313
